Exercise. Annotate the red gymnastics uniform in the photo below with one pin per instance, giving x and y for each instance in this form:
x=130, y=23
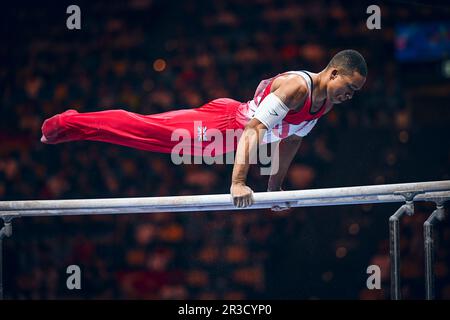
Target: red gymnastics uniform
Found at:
x=155, y=132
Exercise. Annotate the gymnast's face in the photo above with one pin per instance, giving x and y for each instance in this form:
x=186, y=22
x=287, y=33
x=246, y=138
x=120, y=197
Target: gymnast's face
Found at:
x=341, y=87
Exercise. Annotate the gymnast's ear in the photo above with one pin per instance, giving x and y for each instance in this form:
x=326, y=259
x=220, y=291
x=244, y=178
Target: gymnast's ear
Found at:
x=334, y=73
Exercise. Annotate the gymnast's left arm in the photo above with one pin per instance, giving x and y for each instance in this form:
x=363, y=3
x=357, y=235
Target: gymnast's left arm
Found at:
x=285, y=152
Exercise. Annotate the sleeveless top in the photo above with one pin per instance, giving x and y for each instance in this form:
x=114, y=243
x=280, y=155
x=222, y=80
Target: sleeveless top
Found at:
x=295, y=122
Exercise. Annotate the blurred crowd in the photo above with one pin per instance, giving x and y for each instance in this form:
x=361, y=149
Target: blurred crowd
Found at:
x=152, y=56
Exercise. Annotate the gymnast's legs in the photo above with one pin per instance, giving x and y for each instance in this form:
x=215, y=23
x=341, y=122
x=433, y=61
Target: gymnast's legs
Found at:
x=145, y=132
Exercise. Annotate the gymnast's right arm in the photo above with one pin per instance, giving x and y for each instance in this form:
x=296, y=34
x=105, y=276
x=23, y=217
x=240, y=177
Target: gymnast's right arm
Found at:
x=288, y=96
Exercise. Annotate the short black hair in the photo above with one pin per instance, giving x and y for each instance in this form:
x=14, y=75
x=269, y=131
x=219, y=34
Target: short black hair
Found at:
x=349, y=61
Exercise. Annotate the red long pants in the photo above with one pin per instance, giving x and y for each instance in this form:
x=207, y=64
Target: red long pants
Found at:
x=150, y=132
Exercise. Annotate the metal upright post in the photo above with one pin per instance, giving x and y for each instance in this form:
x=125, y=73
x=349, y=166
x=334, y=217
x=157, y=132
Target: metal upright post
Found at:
x=394, y=248
x=428, y=238
x=5, y=231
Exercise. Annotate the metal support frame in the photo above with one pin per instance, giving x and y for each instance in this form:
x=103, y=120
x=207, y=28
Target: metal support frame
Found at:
x=394, y=247
x=5, y=231
x=394, y=239
x=437, y=191
x=429, y=247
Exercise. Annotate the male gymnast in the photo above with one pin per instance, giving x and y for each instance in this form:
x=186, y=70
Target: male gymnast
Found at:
x=283, y=110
